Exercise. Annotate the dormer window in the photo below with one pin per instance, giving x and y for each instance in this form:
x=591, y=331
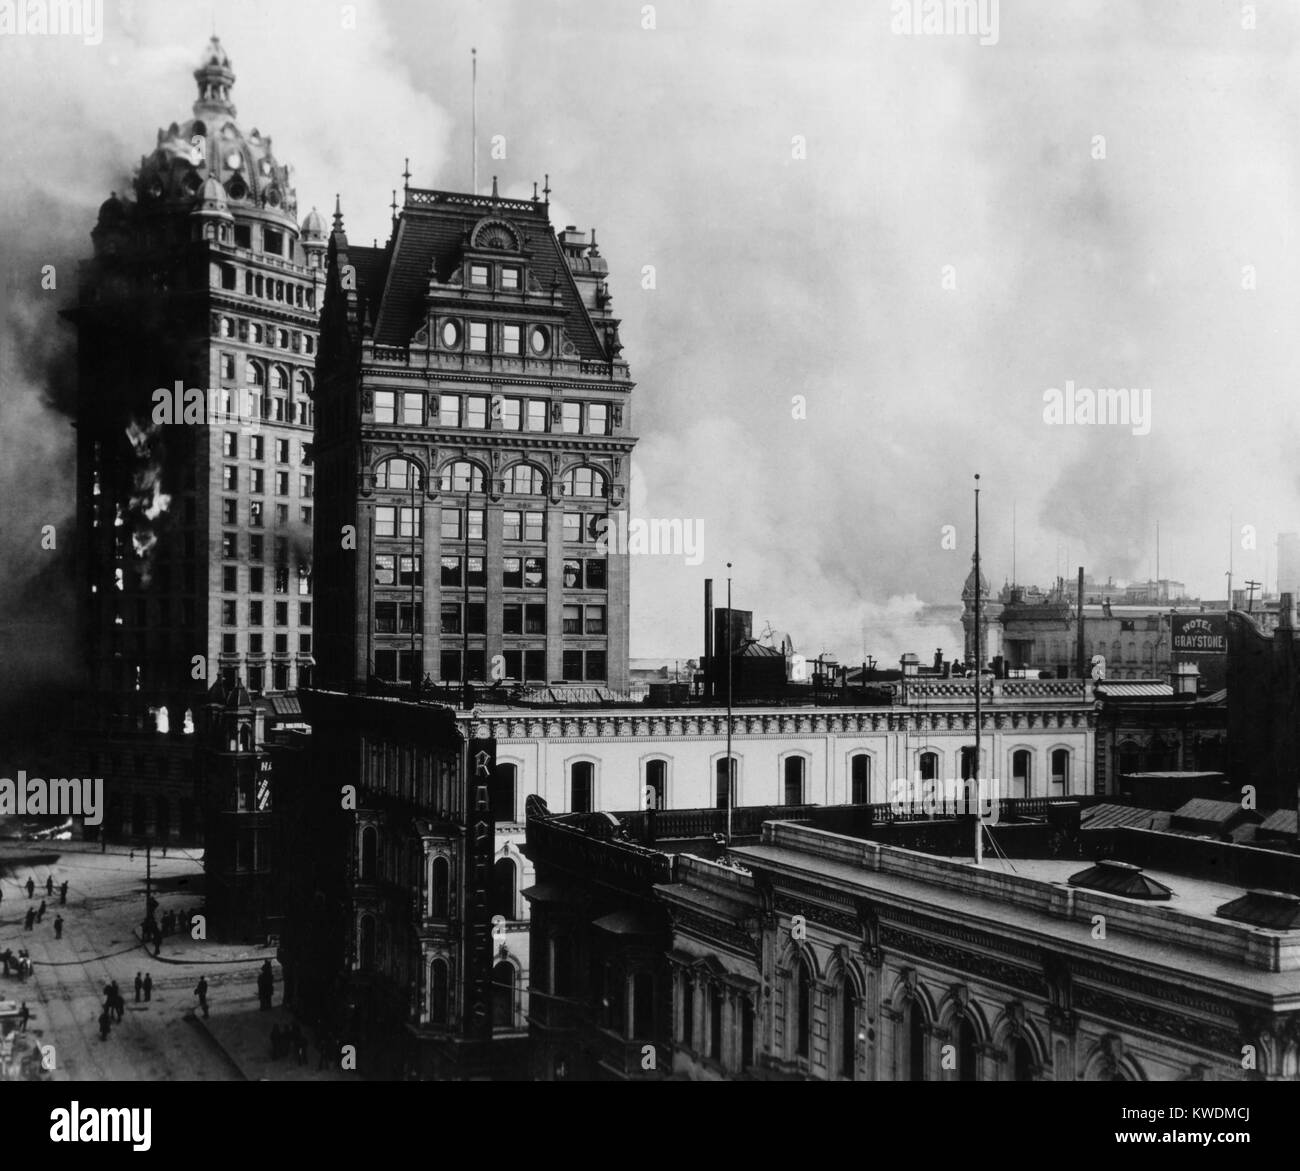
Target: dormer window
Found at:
x=243, y=236
x=272, y=242
x=510, y=279
x=478, y=275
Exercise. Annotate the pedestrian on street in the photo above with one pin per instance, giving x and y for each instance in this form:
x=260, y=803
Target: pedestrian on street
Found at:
x=119, y=1005
x=24, y=1015
x=148, y=986
x=201, y=991
x=105, y=1023
x=139, y=987
x=6, y=957
x=49, y=886
x=132, y=853
x=30, y=918
x=58, y=926
x=265, y=985
x=31, y=887
x=63, y=894
x=40, y=913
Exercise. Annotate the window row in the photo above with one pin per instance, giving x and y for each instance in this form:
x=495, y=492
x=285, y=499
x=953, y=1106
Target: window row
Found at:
x=230, y=544
x=257, y=481
x=398, y=474
x=257, y=513
x=230, y=613
x=257, y=448
x=498, y=337
x=257, y=580
x=478, y=412
x=271, y=335
x=269, y=288
x=257, y=645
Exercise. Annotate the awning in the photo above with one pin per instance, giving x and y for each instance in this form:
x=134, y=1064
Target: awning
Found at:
x=626, y=923
x=548, y=892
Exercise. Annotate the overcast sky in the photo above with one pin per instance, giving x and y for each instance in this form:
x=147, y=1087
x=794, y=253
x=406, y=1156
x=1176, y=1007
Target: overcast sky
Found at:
x=778, y=275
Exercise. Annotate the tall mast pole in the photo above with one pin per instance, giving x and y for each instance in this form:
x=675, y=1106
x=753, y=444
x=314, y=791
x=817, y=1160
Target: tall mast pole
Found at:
x=731, y=767
x=979, y=683
x=473, y=104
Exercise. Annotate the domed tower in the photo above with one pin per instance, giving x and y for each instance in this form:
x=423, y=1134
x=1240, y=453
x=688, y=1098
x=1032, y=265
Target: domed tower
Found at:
x=990, y=613
x=197, y=324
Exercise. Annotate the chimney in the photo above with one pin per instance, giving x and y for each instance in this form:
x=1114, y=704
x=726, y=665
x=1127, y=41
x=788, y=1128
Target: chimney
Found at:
x=1286, y=612
x=708, y=638
x=1184, y=678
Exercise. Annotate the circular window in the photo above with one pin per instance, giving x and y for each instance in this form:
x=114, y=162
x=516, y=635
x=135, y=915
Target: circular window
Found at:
x=539, y=340
x=234, y=160
x=450, y=334
x=237, y=190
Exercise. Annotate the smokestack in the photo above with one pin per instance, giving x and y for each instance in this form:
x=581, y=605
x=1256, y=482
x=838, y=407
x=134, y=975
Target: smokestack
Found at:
x=708, y=638
x=1286, y=612
x=1185, y=676
x=1079, y=648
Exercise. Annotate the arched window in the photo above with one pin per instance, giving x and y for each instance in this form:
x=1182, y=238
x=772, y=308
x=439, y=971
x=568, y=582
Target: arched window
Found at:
x=438, y=887
x=724, y=783
x=503, y=996
x=438, y=992
x=462, y=476
x=656, y=783
x=1022, y=1061
x=915, y=1034
x=302, y=382
x=227, y=327
x=1132, y=652
x=793, y=780
x=279, y=379
x=967, y=762
x=503, y=888
x=369, y=848
x=803, y=1007
x=860, y=779
x=585, y=482
x=967, y=1064
x=1061, y=770
x=929, y=766
x=397, y=475
x=366, y=950
x=254, y=373
x=581, y=776
x=1021, y=769
x=503, y=793
x=848, y=1029
x=525, y=480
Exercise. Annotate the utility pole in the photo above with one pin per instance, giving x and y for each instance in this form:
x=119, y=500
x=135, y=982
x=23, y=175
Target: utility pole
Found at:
x=979, y=684
x=731, y=767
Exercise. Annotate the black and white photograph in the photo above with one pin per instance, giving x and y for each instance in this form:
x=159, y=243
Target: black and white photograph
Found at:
x=573, y=541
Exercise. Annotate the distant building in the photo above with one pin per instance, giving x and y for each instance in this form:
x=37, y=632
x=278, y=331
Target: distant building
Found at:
x=1288, y=564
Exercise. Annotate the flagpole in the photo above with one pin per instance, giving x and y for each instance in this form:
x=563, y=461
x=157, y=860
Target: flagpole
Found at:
x=979, y=684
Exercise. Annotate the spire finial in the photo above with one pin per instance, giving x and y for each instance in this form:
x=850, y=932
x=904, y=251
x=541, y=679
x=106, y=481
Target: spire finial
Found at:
x=495, y=196
x=393, y=205
x=546, y=191
x=406, y=177
x=338, y=214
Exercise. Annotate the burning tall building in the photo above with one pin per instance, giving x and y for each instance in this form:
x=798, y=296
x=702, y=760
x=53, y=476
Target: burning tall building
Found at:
x=197, y=325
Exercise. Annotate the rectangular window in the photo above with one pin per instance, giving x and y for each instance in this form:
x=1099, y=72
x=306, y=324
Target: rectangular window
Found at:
x=230, y=478
x=304, y=644
x=404, y=611
x=449, y=410
x=450, y=617
x=478, y=337
x=509, y=278
x=596, y=576
x=572, y=573
x=512, y=572
x=475, y=572
x=229, y=445
x=305, y=487
x=282, y=613
x=451, y=524
x=385, y=407
x=595, y=619
x=282, y=451
x=478, y=274
x=256, y=447
x=510, y=340
x=254, y=644
x=537, y=414
x=229, y=544
x=385, y=617
x=596, y=665
x=410, y=573
x=304, y=581
x=412, y=408
x=572, y=619
x=512, y=525
x=534, y=526
x=535, y=618
x=475, y=524
x=229, y=613
x=534, y=572
x=572, y=529
x=228, y=644
x=385, y=569
x=572, y=666
x=597, y=419
x=511, y=414
x=304, y=613
x=534, y=664
x=476, y=411
x=281, y=579
x=255, y=580
x=229, y=514
x=451, y=571
x=281, y=644
x=281, y=515
x=272, y=241
x=571, y=418
x=514, y=664
x=255, y=513
x=476, y=617
x=449, y=666
x=305, y=513
x=385, y=520
x=512, y=618
x=254, y=613
x=230, y=578
x=255, y=547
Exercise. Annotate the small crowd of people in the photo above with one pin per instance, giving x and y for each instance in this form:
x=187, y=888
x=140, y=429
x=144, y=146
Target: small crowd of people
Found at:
x=21, y=963
x=114, y=1008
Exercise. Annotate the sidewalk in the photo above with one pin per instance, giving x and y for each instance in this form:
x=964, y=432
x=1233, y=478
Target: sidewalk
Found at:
x=242, y=1031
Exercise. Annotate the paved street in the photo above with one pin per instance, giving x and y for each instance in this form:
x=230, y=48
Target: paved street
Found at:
x=158, y=1040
